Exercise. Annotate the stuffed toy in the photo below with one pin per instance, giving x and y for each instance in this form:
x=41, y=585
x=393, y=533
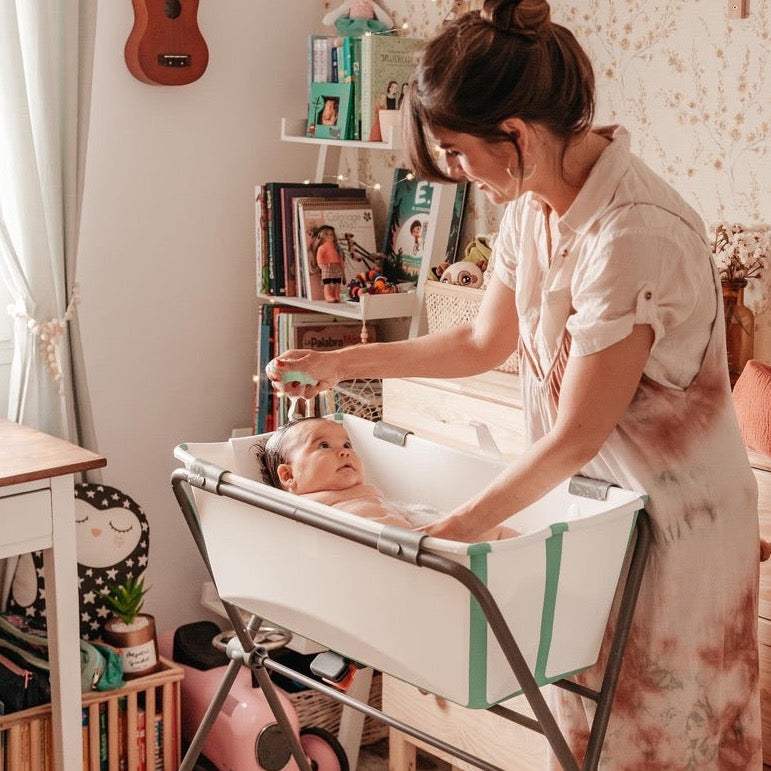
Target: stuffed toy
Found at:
x=470, y=271
x=112, y=545
x=463, y=273
x=356, y=17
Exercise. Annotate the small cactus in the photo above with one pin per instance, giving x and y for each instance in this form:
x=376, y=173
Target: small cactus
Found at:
x=126, y=599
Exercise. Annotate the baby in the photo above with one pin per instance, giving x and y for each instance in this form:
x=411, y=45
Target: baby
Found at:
x=314, y=457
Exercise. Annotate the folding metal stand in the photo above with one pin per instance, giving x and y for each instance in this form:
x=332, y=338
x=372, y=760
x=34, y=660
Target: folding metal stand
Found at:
x=243, y=651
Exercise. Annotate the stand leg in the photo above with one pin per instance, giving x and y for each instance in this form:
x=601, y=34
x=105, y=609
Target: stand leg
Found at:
x=212, y=711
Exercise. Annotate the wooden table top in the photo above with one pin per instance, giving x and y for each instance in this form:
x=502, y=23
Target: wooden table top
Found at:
x=27, y=455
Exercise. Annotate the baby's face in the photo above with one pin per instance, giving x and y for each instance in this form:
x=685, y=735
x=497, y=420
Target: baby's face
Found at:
x=321, y=458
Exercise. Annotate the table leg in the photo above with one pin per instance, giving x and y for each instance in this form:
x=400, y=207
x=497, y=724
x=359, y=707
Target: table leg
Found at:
x=60, y=573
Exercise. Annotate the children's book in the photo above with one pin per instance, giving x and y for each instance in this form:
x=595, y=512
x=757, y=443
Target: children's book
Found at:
x=409, y=222
x=355, y=232
x=288, y=196
x=318, y=336
x=387, y=64
x=274, y=232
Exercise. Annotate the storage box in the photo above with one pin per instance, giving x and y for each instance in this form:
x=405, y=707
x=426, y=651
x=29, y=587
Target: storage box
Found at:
x=448, y=305
x=554, y=584
x=116, y=732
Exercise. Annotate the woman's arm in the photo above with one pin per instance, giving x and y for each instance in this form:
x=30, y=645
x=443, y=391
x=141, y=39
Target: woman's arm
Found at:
x=457, y=352
x=595, y=393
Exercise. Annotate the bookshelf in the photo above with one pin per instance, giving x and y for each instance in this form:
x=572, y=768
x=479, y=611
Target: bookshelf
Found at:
x=373, y=307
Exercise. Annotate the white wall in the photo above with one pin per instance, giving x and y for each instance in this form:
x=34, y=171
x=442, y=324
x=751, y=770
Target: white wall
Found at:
x=166, y=266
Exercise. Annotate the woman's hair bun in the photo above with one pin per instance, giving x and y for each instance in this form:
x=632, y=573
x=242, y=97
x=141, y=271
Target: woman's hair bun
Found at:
x=527, y=18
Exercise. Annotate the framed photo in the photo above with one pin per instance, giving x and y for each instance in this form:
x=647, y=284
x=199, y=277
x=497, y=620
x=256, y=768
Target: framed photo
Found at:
x=329, y=114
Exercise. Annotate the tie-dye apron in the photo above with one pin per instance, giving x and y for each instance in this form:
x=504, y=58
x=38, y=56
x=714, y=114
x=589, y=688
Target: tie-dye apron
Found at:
x=688, y=693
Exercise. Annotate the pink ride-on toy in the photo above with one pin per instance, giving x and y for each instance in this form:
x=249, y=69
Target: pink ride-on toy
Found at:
x=241, y=733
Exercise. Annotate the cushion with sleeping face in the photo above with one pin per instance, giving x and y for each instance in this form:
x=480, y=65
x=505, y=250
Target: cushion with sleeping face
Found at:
x=112, y=545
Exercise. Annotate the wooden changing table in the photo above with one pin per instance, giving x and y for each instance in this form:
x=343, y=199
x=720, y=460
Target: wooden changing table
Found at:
x=37, y=512
x=445, y=410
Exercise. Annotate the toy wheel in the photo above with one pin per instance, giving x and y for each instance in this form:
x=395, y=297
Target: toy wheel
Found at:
x=323, y=750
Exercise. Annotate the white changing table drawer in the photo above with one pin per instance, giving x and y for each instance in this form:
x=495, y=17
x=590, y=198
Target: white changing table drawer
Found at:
x=26, y=521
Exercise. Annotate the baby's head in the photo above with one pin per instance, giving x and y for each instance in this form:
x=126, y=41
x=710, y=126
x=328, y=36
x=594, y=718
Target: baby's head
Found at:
x=310, y=455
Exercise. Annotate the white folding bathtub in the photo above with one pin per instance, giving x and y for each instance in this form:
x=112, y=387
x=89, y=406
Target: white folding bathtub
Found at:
x=384, y=606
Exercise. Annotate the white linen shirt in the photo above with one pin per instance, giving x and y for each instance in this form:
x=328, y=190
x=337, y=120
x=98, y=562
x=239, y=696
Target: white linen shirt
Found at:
x=628, y=251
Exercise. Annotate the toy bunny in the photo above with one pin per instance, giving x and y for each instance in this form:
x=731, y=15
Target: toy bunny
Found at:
x=355, y=17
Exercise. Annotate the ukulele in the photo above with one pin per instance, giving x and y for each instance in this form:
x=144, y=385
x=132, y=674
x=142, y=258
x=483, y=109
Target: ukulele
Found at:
x=165, y=46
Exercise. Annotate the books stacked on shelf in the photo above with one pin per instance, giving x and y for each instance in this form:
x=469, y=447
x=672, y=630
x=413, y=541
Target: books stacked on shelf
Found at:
x=349, y=222
x=334, y=60
x=408, y=223
x=354, y=78
x=278, y=266
x=282, y=328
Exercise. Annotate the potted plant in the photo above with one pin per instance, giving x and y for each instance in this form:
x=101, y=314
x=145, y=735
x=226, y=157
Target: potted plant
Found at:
x=130, y=630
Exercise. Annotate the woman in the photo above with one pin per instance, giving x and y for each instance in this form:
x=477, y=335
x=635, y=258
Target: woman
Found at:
x=604, y=276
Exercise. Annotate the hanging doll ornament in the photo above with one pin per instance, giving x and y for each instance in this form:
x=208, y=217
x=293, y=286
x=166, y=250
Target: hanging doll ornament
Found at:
x=354, y=18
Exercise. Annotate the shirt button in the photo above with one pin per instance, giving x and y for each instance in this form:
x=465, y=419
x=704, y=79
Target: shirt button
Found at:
x=648, y=295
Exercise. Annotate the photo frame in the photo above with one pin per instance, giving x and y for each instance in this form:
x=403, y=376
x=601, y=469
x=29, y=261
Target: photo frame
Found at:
x=329, y=112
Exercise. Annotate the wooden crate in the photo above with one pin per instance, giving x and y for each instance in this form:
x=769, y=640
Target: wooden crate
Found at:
x=112, y=728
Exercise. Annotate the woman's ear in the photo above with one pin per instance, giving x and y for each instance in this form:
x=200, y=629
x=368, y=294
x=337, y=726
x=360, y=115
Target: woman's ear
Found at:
x=285, y=476
x=517, y=130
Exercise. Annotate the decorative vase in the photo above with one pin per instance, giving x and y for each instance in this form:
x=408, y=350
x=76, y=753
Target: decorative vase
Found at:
x=137, y=643
x=739, y=327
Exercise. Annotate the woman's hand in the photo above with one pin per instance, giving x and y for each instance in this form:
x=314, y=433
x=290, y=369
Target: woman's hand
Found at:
x=316, y=373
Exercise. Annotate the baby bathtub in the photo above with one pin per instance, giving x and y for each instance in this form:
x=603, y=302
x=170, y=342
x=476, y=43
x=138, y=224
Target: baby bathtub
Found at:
x=313, y=570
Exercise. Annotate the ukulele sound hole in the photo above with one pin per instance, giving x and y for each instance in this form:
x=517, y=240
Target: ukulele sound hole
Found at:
x=173, y=9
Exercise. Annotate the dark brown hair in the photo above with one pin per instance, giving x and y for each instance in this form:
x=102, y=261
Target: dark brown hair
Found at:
x=275, y=454
x=507, y=60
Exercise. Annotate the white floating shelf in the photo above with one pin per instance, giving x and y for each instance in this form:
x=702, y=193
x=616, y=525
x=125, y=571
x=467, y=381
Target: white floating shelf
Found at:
x=294, y=131
x=371, y=307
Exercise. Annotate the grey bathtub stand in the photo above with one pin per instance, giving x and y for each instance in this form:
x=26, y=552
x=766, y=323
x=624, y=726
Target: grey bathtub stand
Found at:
x=405, y=545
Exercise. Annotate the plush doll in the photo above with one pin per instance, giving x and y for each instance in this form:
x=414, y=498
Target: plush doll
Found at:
x=470, y=271
x=112, y=545
x=463, y=273
x=355, y=17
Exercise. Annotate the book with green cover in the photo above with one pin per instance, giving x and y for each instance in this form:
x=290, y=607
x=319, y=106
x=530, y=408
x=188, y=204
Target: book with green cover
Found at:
x=387, y=64
x=409, y=222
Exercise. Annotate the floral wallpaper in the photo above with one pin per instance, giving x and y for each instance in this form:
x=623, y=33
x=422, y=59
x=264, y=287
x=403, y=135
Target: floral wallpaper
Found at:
x=690, y=84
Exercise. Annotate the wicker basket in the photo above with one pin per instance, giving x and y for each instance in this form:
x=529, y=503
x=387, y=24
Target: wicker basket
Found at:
x=448, y=306
x=317, y=709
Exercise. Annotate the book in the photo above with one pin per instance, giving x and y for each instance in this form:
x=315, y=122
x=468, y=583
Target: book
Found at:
x=292, y=265
x=387, y=64
x=408, y=223
x=274, y=233
x=329, y=112
x=355, y=230
x=326, y=336
x=261, y=241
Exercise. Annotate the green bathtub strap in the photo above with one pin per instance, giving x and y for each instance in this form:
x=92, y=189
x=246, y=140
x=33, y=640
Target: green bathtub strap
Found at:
x=553, y=560
x=477, y=684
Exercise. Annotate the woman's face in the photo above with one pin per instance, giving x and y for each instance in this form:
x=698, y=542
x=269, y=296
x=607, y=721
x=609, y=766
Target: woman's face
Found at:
x=484, y=163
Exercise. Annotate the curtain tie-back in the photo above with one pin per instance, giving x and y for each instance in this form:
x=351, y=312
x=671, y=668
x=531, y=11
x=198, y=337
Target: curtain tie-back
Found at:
x=50, y=334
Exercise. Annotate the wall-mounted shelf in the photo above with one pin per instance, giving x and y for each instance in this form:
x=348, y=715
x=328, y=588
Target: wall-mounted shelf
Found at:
x=369, y=308
x=293, y=130
x=328, y=162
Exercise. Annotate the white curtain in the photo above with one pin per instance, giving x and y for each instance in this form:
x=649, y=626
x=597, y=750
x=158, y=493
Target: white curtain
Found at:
x=46, y=54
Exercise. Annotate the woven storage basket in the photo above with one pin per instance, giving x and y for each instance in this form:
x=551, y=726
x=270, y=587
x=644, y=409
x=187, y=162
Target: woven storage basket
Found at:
x=318, y=710
x=449, y=306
